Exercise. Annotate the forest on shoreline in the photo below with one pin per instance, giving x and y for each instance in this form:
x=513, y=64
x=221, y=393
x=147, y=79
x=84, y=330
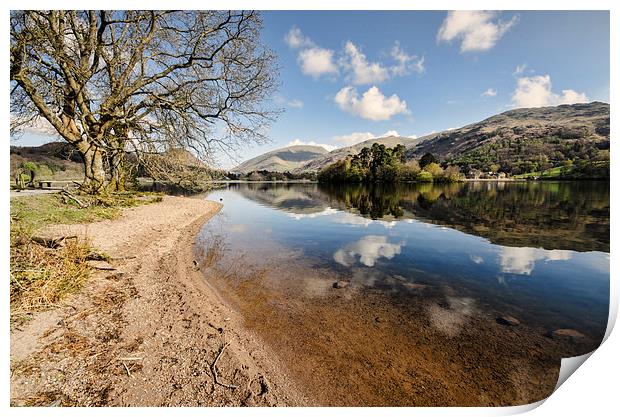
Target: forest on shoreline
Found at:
x=383, y=164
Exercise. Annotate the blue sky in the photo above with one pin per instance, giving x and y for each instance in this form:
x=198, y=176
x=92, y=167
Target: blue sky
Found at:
x=347, y=76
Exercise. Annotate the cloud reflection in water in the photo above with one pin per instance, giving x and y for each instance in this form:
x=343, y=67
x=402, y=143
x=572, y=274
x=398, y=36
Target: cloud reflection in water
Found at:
x=522, y=261
x=369, y=248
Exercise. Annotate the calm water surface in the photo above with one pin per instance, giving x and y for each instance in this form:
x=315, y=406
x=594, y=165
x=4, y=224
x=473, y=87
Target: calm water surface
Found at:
x=451, y=257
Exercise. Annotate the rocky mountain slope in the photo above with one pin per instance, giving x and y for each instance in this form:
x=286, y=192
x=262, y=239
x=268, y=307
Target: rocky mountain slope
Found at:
x=525, y=140
x=281, y=160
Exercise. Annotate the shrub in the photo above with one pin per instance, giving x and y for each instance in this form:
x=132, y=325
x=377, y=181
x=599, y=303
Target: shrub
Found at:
x=424, y=176
x=434, y=169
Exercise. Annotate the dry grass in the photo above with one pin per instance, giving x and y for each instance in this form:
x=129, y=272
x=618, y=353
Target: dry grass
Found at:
x=40, y=276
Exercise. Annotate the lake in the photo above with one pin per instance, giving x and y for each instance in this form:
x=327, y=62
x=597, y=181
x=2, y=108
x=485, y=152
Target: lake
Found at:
x=460, y=294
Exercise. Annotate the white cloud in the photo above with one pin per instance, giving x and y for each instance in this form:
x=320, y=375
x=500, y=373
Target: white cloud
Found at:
x=519, y=69
x=522, y=260
x=373, y=105
x=362, y=71
x=295, y=103
x=490, y=93
x=572, y=97
x=536, y=92
x=295, y=39
x=317, y=61
x=37, y=126
x=314, y=60
x=357, y=137
x=476, y=29
x=389, y=133
x=369, y=248
x=353, y=138
x=406, y=63
x=297, y=142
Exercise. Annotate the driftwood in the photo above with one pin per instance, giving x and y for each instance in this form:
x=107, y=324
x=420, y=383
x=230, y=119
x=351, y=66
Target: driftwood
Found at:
x=52, y=243
x=214, y=369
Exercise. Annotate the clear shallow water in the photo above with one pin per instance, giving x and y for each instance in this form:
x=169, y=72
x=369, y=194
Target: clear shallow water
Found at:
x=438, y=263
x=540, y=250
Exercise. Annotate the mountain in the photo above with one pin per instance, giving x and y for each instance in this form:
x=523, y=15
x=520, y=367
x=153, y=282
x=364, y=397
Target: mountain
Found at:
x=322, y=161
x=281, y=160
x=524, y=140
x=517, y=141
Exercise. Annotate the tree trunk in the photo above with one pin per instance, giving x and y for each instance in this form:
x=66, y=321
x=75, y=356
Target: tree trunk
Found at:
x=94, y=174
x=117, y=170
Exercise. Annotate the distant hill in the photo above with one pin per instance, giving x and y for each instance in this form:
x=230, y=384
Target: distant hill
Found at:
x=60, y=161
x=55, y=160
x=524, y=140
x=281, y=160
x=322, y=161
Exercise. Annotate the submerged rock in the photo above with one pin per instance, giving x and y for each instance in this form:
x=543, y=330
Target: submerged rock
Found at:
x=507, y=321
x=341, y=284
x=565, y=333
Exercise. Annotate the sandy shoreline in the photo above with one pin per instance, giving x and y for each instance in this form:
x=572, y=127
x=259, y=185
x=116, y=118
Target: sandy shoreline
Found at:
x=147, y=333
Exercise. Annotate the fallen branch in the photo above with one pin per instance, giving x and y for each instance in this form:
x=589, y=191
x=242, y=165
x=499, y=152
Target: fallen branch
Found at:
x=52, y=243
x=214, y=368
x=74, y=198
x=121, y=258
x=101, y=267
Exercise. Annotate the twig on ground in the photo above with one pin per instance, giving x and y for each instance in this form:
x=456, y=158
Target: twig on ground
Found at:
x=214, y=368
x=127, y=369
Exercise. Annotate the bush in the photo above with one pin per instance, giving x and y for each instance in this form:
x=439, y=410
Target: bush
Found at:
x=424, y=176
x=409, y=172
x=452, y=173
x=434, y=169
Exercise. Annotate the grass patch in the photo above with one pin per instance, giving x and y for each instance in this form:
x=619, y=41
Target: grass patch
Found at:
x=40, y=276
x=548, y=173
x=582, y=170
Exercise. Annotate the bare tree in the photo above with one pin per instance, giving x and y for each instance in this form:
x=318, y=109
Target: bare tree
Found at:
x=142, y=81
